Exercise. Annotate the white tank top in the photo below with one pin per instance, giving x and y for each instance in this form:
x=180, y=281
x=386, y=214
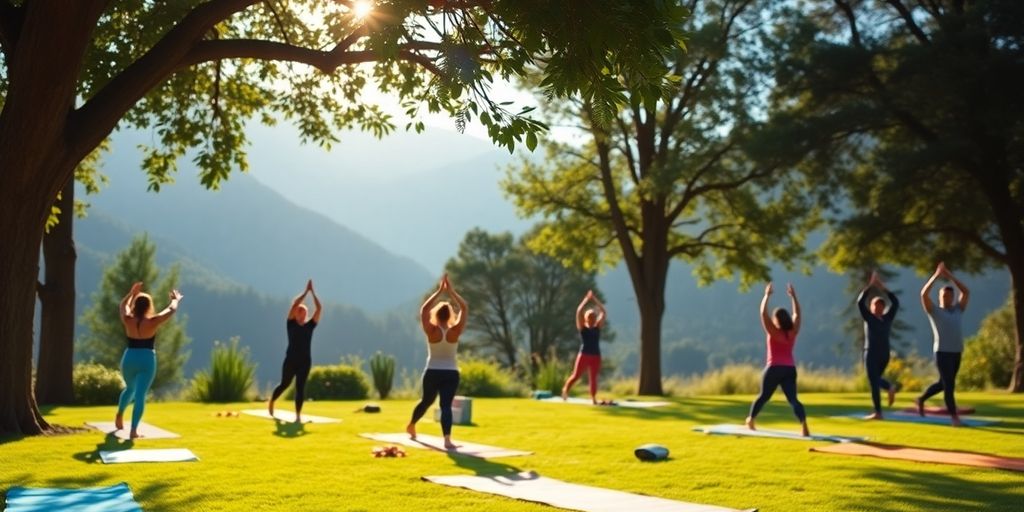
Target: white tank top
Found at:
x=441, y=355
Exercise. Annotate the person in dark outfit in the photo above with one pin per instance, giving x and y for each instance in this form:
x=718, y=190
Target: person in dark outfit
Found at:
x=298, y=358
x=877, y=326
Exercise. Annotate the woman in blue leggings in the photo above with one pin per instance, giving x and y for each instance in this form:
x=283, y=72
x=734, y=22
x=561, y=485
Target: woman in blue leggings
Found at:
x=138, y=365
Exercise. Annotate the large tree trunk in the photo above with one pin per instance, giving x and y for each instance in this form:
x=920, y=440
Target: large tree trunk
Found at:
x=649, y=285
x=57, y=301
x=1017, y=284
x=651, y=313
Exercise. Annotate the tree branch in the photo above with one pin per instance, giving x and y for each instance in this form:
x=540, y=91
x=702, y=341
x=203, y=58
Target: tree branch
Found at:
x=908, y=19
x=689, y=191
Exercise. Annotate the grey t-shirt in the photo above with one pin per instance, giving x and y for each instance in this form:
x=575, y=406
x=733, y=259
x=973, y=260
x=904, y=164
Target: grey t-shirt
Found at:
x=946, y=329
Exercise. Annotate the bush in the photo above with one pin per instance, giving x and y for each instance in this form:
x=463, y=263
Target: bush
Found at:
x=482, y=378
x=988, y=356
x=341, y=382
x=383, y=369
x=231, y=375
x=550, y=375
x=95, y=384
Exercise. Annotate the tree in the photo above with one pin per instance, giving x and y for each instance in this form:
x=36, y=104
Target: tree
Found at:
x=919, y=125
x=986, y=353
x=104, y=340
x=195, y=72
x=521, y=301
x=680, y=178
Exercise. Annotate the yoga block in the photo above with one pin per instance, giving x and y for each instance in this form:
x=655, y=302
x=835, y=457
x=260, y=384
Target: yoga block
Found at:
x=462, y=411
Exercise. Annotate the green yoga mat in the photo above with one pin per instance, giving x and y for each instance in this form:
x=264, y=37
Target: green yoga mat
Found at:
x=742, y=430
x=930, y=420
x=115, y=498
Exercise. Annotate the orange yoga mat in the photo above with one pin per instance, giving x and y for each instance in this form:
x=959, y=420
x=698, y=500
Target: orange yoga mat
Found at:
x=940, y=411
x=888, y=451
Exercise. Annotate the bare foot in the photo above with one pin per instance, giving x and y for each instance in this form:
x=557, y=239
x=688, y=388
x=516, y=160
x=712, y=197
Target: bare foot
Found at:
x=594, y=399
x=411, y=430
x=298, y=418
x=920, y=406
x=750, y=423
x=955, y=420
x=448, y=444
x=892, y=395
x=119, y=421
x=270, y=408
x=565, y=395
x=874, y=416
x=134, y=435
x=806, y=432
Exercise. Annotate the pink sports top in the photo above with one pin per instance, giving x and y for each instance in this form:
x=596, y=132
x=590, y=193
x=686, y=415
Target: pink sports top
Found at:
x=780, y=348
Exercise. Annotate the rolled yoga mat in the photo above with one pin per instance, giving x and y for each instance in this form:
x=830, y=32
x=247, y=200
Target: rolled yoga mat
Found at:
x=529, y=486
x=288, y=416
x=167, y=455
x=742, y=430
x=930, y=420
x=885, y=451
x=636, y=404
x=115, y=498
x=932, y=410
x=480, y=451
x=146, y=430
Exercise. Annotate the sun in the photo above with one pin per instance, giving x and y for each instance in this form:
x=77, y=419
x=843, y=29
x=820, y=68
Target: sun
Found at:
x=362, y=8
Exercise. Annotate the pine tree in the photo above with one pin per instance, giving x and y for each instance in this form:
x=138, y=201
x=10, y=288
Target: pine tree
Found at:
x=104, y=340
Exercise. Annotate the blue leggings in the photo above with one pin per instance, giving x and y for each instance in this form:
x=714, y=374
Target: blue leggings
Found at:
x=775, y=376
x=138, y=366
x=948, y=364
x=435, y=382
x=874, y=364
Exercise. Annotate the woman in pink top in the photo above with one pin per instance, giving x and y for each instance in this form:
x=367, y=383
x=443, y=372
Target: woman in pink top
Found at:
x=780, y=370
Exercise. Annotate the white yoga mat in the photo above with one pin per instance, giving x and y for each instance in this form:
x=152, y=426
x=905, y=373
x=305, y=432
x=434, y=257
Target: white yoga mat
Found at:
x=742, y=430
x=165, y=455
x=115, y=498
x=288, y=416
x=530, y=486
x=636, y=404
x=930, y=420
x=480, y=451
x=146, y=430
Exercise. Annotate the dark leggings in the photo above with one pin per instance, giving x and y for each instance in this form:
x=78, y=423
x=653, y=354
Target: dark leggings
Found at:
x=874, y=364
x=775, y=376
x=443, y=382
x=948, y=364
x=298, y=370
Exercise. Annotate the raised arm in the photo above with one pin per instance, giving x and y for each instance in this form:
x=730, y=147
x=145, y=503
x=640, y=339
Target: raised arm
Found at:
x=965, y=294
x=766, y=322
x=580, y=308
x=862, y=299
x=601, y=312
x=125, y=307
x=926, y=292
x=425, y=308
x=167, y=312
x=795, y=303
x=316, y=302
x=460, y=322
x=298, y=300
x=894, y=302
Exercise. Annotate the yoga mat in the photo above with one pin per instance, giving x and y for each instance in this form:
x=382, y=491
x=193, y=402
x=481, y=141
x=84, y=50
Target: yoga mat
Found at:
x=529, y=486
x=115, y=498
x=885, y=451
x=145, y=429
x=289, y=416
x=931, y=420
x=742, y=430
x=167, y=455
x=480, y=451
x=636, y=404
x=939, y=410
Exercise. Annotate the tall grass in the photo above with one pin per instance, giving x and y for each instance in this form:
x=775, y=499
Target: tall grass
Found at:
x=231, y=375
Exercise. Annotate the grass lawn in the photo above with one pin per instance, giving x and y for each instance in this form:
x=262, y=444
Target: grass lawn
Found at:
x=250, y=464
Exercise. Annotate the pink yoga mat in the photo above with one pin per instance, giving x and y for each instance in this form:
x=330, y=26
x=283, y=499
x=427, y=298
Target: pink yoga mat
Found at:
x=940, y=411
x=886, y=451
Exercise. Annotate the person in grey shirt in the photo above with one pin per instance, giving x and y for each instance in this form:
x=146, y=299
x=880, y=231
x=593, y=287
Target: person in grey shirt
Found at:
x=948, y=335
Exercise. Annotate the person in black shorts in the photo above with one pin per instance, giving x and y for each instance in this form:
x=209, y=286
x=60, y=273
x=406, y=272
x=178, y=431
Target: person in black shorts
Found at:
x=298, y=358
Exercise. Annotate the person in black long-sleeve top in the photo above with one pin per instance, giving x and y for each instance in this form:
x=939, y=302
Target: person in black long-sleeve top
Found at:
x=877, y=326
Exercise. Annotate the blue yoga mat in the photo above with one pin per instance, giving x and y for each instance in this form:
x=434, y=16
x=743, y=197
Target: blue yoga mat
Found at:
x=931, y=420
x=742, y=430
x=116, y=498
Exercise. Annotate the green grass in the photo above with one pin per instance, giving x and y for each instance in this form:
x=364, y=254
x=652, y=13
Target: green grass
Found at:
x=248, y=464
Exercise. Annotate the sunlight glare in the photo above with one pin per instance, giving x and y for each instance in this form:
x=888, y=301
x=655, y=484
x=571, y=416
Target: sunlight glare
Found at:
x=362, y=8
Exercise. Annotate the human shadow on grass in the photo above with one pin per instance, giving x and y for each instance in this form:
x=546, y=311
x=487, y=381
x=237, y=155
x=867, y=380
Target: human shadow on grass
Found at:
x=111, y=443
x=289, y=429
x=926, y=490
x=482, y=467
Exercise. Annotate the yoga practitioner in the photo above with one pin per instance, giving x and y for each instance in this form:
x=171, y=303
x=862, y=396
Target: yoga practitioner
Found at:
x=298, y=358
x=877, y=325
x=781, y=330
x=138, y=364
x=589, y=323
x=948, y=338
x=441, y=375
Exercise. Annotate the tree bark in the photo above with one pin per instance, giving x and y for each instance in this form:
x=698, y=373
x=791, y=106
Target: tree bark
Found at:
x=57, y=302
x=1017, y=285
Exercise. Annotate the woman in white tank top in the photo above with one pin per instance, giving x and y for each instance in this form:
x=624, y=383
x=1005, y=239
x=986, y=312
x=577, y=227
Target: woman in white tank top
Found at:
x=441, y=376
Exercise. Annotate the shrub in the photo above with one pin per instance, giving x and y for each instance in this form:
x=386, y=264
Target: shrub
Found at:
x=482, y=378
x=341, y=382
x=231, y=375
x=988, y=356
x=383, y=369
x=550, y=374
x=95, y=384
